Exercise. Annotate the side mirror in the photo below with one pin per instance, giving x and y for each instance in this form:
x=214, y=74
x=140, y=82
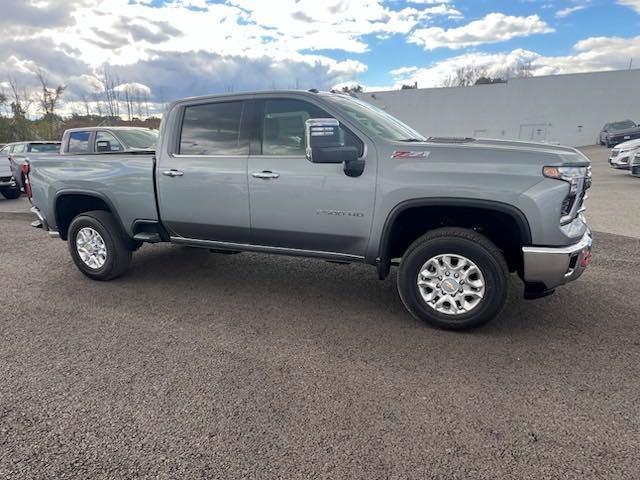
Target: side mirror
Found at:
x=324, y=145
x=103, y=146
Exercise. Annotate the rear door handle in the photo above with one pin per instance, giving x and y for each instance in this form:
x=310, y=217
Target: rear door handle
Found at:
x=265, y=175
x=173, y=173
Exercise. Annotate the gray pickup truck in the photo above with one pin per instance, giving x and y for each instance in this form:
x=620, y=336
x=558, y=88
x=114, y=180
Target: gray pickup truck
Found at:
x=329, y=176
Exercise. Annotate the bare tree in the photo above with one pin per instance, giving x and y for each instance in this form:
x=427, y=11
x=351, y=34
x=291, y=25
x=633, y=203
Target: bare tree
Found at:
x=524, y=69
x=85, y=103
x=110, y=94
x=48, y=100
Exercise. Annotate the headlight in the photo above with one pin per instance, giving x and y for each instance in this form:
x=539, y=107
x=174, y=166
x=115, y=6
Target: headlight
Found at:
x=579, y=179
x=573, y=175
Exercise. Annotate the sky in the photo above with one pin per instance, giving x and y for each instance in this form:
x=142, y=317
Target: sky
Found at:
x=177, y=48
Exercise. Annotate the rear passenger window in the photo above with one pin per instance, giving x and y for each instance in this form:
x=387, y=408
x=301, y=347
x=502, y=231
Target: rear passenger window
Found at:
x=213, y=129
x=78, y=142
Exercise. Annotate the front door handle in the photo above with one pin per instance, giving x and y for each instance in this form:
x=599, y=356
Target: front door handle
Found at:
x=265, y=175
x=173, y=173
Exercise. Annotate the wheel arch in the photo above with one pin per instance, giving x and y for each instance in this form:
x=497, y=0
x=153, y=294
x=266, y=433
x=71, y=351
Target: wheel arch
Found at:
x=70, y=203
x=383, y=260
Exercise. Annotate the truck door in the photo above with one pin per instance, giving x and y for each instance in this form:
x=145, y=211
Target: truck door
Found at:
x=202, y=186
x=301, y=205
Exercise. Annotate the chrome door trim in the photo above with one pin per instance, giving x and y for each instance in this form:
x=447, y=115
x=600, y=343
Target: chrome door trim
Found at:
x=245, y=247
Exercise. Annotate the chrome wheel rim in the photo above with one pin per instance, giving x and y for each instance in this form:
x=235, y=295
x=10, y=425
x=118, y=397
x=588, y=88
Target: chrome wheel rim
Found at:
x=451, y=284
x=91, y=248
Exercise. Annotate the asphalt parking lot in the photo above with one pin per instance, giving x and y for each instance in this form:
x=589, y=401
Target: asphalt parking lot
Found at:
x=197, y=365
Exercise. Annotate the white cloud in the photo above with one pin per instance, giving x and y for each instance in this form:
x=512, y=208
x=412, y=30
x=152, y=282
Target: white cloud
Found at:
x=635, y=4
x=592, y=54
x=565, y=12
x=494, y=27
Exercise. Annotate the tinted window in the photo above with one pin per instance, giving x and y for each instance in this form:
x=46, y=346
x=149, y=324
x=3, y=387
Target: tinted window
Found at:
x=140, y=139
x=78, y=142
x=283, y=124
x=44, y=147
x=114, y=144
x=19, y=148
x=622, y=125
x=374, y=119
x=213, y=129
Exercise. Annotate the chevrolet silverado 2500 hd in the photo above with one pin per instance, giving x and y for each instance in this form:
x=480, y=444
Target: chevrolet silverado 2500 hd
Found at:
x=329, y=176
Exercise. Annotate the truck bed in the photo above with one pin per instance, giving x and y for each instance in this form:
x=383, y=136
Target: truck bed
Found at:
x=122, y=179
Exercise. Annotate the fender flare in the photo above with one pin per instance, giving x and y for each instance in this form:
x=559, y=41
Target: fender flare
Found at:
x=383, y=261
x=87, y=193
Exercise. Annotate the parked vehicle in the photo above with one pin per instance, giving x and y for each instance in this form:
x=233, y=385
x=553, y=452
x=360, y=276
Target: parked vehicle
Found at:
x=623, y=152
x=329, y=176
x=617, y=132
x=8, y=185
x=108, y=139
x=634, y=164
x=17, y=152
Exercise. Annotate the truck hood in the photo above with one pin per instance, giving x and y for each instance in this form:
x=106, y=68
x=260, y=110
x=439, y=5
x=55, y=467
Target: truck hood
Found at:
x=501, y=147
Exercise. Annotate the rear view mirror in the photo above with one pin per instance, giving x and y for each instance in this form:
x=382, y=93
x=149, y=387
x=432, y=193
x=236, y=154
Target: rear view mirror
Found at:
x=103, y=146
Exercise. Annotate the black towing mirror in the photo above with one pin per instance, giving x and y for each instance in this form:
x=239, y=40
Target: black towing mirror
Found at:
x=103, y=146
x=324, y=145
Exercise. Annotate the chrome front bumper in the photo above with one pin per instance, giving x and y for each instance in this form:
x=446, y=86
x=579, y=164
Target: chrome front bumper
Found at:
x=555, y=266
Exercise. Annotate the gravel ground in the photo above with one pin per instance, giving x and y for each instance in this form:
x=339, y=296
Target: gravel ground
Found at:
x=211, y=366
x=197, y=365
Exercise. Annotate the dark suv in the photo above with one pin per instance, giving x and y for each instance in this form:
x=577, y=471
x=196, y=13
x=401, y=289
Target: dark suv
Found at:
x=617, y=132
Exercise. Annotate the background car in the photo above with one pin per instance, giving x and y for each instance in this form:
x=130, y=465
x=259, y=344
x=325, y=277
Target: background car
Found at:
x=634, y=164
x=17, y=152
x=617, y=132
x=8, y=186
x=622, y=153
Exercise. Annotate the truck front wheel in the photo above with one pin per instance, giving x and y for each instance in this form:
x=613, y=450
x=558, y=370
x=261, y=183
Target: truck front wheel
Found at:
x=98, y=246
x=453, y=278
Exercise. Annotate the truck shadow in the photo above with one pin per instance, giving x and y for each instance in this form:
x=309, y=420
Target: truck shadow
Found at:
x=285, y=286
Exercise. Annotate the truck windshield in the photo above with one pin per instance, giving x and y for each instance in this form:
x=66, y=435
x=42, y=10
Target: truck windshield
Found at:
x=139, y=139
x=374, y=119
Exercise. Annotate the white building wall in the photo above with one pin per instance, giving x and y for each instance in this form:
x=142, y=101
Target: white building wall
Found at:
x=566, y=109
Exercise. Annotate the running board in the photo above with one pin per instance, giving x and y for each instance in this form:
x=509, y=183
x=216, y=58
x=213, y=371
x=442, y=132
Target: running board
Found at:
x=148, y=237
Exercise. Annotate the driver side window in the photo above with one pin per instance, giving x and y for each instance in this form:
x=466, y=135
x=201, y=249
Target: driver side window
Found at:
x=282, y=127
x=114, y=144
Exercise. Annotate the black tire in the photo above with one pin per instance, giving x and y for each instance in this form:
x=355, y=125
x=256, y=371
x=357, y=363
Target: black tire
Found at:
x=117, y=243
x=475, y=247
x=11, y=194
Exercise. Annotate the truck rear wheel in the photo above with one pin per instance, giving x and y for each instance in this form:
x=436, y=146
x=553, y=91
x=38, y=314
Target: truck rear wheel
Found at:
x=98, y=246
x=453, y=278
